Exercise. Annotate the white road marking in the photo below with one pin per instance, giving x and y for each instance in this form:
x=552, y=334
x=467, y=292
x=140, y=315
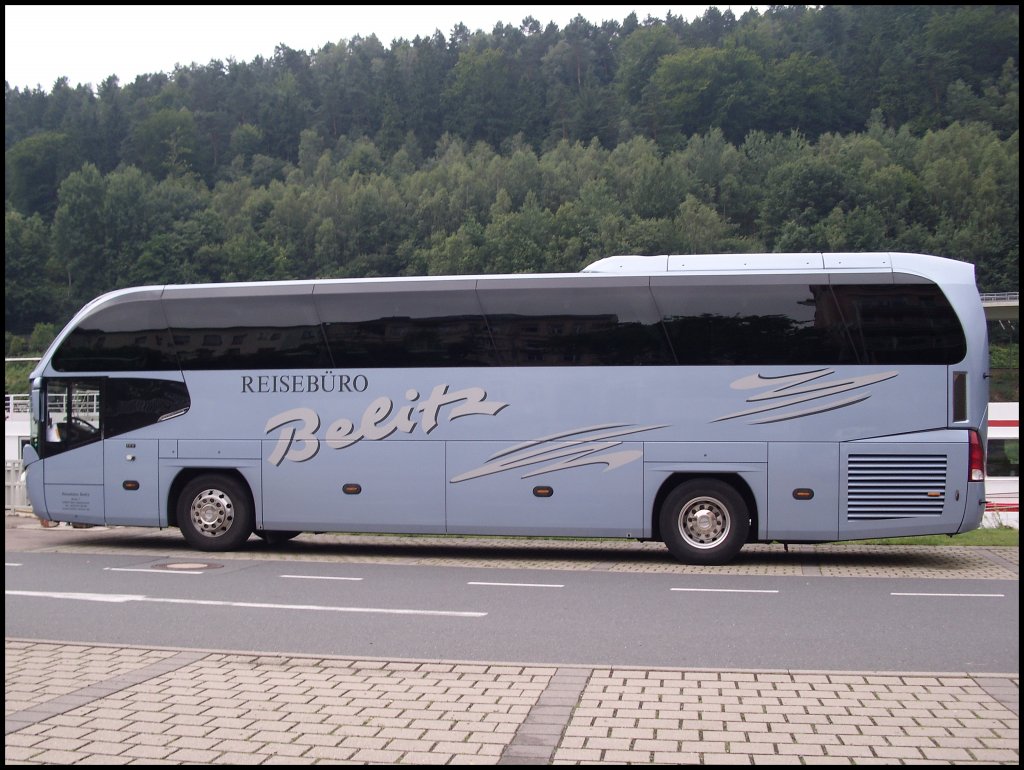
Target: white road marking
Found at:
x=111, y=598
x=729, y=590
x=122, y=598
x=518, y=585
x=318, y=577
x=159, y=571
x=12, y=564
x=983, y=596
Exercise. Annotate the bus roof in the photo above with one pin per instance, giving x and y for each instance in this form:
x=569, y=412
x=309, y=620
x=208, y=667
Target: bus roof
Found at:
x=936, y=268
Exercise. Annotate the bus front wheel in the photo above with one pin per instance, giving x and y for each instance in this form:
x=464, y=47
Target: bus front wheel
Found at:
x=704, y=521
x=214, y=513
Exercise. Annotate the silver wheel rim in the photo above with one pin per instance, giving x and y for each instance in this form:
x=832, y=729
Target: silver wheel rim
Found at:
x=704, y=522
x=212, y=512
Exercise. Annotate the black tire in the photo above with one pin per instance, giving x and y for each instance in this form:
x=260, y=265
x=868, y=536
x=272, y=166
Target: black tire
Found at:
x=704, y=521
x=215, y=513
x=276, y=536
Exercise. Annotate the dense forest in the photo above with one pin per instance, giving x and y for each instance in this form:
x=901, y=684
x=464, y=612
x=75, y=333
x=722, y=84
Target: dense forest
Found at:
x=524, y=148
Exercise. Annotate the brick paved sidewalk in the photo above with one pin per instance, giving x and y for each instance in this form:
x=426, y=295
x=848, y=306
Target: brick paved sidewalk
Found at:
x=74, y=703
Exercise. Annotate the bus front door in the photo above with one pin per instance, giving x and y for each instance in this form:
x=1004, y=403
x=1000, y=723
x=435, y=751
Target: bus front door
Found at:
x=73, y=484
x=73, y=453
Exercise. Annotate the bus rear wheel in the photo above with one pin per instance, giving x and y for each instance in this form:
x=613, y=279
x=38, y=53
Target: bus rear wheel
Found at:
x=215, y=513
x=704, y=521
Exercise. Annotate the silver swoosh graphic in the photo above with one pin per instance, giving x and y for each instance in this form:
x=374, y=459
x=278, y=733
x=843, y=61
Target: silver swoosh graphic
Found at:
x=801, y=388
x=573, y=449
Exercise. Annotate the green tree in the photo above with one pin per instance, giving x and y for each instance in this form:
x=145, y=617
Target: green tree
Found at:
x=647, y=188
x=797, y=197
x=246, y=141
x=79, y=237
x=708, y=87
x=28, y=294
x=803, y=92
x=640, y=53
x=710, y=167
x=113, y=123
x=41, y=337
x=587, y=228
x=565, y=170
x=129, y=218
x=165, y=142
x=478, y=101
x=517, y=241
x=579, y=99
x=463, y=252
x=34, y=168
x=701, y=230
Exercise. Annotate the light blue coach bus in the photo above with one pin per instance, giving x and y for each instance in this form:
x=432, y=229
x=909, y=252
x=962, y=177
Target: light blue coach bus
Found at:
x=704, y=401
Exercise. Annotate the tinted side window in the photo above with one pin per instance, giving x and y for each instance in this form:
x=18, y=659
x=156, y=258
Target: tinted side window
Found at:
x=376, y=329
x=127, y=337
x=901, y=324
x=251, y=347
x=581, y=326
x=810, y=324
x=247, y=332
x=130, y=404
x=758, y=325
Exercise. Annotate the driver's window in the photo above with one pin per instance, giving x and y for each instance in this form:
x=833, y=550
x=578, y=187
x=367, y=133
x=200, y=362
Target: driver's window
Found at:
x=85, y=413
x=72, y=415
x=56, y=412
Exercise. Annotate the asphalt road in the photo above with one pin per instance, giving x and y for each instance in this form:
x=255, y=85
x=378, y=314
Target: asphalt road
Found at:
x=133, y=587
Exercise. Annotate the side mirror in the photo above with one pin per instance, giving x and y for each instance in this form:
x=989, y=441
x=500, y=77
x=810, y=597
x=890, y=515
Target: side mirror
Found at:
x=29, y=455
x=35, y=402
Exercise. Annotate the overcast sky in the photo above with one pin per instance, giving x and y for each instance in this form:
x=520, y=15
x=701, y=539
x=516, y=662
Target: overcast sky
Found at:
x=89, y=43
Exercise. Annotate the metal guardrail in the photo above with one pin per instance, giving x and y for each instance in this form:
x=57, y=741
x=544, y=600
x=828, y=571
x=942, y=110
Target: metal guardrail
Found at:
x=16, y=403
x=15, y=494
x=82, y=404
x=1001, y=296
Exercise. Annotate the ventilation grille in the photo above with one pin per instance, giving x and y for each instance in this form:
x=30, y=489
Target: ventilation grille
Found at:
x=895, y=486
